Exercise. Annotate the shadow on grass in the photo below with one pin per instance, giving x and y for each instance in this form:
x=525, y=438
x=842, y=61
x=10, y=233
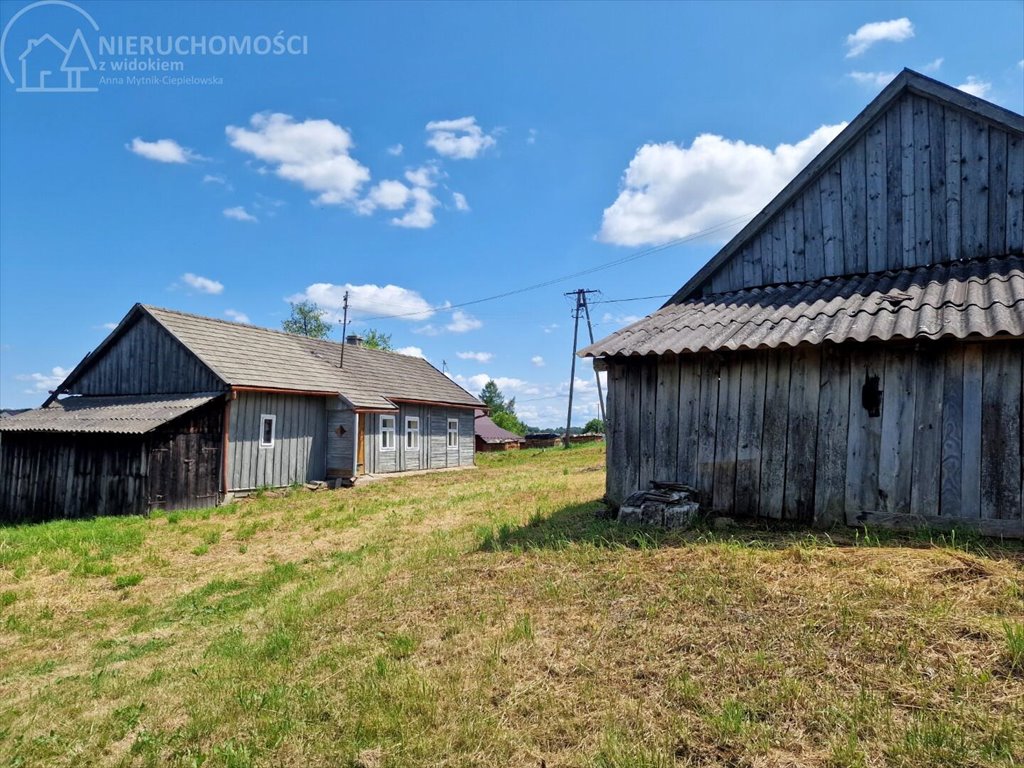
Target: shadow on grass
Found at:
x=592, y=523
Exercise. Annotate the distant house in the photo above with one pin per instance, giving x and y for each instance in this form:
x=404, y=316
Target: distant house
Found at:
x=491, y=437
x=856, y=353
x=175, y=410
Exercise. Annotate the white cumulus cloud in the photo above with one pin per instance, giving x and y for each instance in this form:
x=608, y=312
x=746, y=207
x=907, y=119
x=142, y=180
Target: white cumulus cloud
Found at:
x=238, y=213
x=44, y=382
x=893, y=31
x=537, y=360
x=480, y=357
x=975, y=86
x=933, y=66
x=671, y=191
x=459, y=139
x=236, y=316
x=462, y=322
x=460, y=202
x=162, y=151
x=421, y=214
x=411, y=352
x=366, y=301
x=313, y=153
x=202, y=284
x=395, y=150
x=506, y=384
x=872, y=79
x=417, y=200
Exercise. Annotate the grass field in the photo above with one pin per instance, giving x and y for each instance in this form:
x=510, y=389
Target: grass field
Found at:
x=494, y=618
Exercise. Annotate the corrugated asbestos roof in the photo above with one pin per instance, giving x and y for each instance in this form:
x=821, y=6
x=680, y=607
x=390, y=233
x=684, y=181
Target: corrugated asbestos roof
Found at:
x=123, y=415
x=980, y=298
x=490, y=432
x=244, y=355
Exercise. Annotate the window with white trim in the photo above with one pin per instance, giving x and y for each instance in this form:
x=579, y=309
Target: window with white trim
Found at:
x=412, y=433
x=387, y=433
x=268, y=422
x=453, y=434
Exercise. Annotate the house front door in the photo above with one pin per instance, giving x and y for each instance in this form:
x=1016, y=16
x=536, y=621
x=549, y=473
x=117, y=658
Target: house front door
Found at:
x=361, y=444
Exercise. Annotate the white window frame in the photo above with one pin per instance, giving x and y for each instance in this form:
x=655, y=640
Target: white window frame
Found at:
x=411, y=432
x=385, y=430
x=453, y=446
x=264, y=417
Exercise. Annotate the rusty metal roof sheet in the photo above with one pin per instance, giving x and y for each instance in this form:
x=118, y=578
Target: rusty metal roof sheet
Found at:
x=960, y=299
x=123, y=415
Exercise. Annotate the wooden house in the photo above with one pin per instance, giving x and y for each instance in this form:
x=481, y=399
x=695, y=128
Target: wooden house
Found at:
x=174, y=410
x=854, y=354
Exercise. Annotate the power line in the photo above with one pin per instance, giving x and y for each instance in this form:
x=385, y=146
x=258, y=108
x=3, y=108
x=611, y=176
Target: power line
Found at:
x=590, y=270
x=635, y=298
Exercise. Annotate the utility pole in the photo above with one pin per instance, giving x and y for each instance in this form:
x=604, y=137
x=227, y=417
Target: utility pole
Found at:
x=581, y=303
x=597, y=375
x=344, y=332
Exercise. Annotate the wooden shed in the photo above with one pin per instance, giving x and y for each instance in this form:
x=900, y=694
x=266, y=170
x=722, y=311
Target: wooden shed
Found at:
x=175, y=410
x=856, y=353
x=490, y=437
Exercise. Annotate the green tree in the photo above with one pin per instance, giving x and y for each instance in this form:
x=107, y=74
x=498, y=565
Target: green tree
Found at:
x=307, y=319
x=509, y=421
x=594, y=425
x=374, y=339
x=503, y=412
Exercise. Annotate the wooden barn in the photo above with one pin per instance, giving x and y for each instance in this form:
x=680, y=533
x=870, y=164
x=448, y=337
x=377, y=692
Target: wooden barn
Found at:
x=174, y=410
x=855, y=353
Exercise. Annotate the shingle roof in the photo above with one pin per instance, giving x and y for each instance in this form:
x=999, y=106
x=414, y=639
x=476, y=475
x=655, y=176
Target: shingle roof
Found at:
x=977, y=298
x=123, y=415
x=490, y=432
x=244, y=355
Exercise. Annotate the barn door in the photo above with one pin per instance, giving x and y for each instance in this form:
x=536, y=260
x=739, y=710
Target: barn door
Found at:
x=159, y=477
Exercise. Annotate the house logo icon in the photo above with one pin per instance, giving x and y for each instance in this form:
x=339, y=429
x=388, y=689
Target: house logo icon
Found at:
x=45, y=63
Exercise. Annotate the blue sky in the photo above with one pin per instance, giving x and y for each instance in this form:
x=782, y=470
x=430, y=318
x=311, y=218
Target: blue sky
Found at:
x=426, y=154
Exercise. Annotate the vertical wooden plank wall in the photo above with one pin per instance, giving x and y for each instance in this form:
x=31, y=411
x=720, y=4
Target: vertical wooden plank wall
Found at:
x=49, y=476
x=433, y=451
x=785, y=433
x=146, y=360
x=300, y=447
x=924, y=183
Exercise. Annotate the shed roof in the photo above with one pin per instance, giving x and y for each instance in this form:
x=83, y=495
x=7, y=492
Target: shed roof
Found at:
x=248, y=356
x=977, y=298
x=122, y=415
x=490, y=432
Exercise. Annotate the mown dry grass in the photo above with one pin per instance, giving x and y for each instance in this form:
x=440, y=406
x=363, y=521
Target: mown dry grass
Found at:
x=494, y=618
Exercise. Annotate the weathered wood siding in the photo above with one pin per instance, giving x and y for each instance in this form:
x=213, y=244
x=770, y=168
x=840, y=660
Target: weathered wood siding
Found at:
x=785, y=433
x=342, y=435
x=47, y=476
x=185, y=460
x=924, y=184
x=50, y=476
x=433, y=452
x=146, y=360
x=299, y=452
